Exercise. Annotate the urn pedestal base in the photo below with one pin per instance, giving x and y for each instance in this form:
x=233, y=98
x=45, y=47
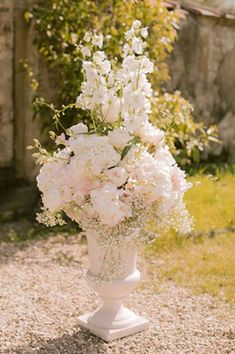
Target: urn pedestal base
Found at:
x=109, y=334
x=112, y=320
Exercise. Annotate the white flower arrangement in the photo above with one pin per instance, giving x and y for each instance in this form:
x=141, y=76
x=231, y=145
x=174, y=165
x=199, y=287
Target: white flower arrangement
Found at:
x=118, y=175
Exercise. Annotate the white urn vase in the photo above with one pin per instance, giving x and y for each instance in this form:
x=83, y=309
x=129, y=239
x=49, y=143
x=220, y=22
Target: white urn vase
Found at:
x=112, y=320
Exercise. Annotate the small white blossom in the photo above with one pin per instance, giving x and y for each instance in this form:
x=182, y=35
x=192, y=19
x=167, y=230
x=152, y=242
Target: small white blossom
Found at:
x=136, y=24
x=86, y=52
x=111, y=109
x=137, y=45
x=60, y=139
x=144, y=32
x=97, y=40
x=119, y=138
x=74, y=37
x=87, y=37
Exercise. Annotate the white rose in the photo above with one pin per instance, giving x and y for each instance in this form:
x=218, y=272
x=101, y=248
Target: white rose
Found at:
x=117, y=175
x=152, y=179
x=119, y=138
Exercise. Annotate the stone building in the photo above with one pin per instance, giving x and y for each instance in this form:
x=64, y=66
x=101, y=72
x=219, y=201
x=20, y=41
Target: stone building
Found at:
x=202, y=67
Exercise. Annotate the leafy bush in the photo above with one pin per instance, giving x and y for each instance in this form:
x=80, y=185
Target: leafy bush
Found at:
x=186, y=137
x=60, y=25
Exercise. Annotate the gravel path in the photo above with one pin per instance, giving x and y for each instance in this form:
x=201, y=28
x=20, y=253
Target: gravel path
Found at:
x=43, y=291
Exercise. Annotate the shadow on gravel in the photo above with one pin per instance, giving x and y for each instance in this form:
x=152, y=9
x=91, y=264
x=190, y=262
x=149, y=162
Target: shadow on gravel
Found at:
x=8, y=250
x=22, y=234
x=82, y=342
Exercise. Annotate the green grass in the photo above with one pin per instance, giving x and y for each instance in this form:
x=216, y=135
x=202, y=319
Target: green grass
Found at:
x=201, y=263
x=212, y=202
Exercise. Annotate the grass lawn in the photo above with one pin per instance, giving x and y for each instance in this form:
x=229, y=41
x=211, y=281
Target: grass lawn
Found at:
x=204, y=263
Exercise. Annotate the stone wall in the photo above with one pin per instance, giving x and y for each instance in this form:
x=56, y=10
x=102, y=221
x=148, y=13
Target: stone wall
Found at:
x=26, y=126
x=202, y=66
x=6, y=83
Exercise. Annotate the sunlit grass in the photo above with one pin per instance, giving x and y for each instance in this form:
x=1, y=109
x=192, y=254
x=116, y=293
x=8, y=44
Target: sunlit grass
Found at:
x=212, y=202
x=205, y=265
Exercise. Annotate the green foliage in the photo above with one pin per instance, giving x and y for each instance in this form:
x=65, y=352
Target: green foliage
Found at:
x=61, y=24
x=186, y=137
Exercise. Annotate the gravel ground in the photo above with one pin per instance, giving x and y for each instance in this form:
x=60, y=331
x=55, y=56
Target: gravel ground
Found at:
x=43, y=291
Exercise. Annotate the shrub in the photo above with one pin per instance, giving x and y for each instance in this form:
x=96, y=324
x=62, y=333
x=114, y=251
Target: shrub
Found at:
x=186, y=137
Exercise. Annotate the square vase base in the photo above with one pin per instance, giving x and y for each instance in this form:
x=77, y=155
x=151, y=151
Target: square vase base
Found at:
x=110, y=334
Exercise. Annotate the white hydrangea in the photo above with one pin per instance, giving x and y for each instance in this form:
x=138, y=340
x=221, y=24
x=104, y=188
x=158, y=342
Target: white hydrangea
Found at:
x=95, y=152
